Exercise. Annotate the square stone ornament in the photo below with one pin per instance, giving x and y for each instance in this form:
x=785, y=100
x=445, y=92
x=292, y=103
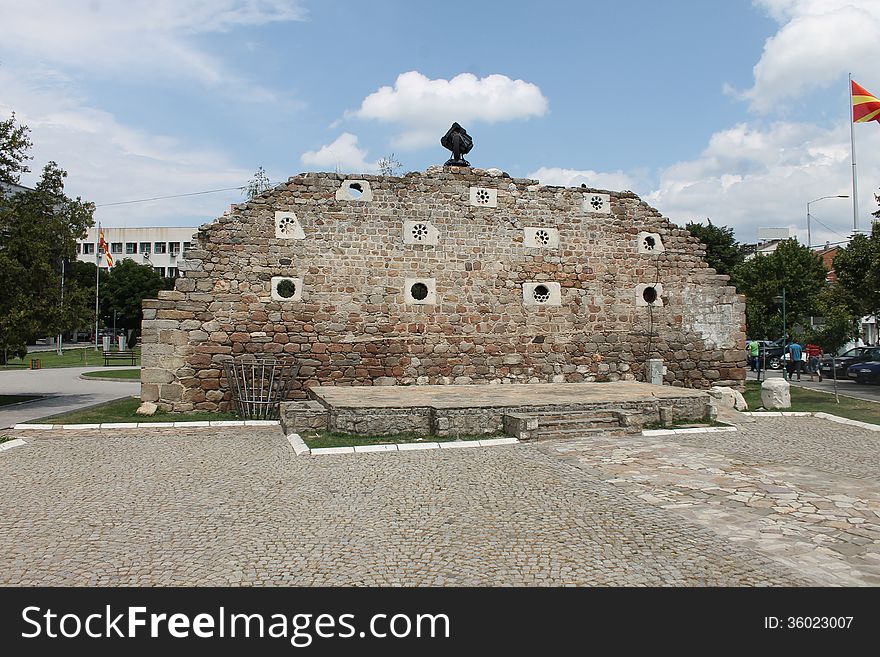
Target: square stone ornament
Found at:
x=542, y=293
x=541, y=238
x=420, y=232
x=280, y=296
x=484, y=197
x=420, y=291
x=287, y=227
x=597, y=203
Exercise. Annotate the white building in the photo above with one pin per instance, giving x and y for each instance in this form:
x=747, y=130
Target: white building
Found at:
x=160, y=247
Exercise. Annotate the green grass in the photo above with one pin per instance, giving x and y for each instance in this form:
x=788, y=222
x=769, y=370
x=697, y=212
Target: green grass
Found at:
x=72, y=357
x=123, y=410
x=4, y=439
x=5, y=400
x=114, y=374
x=341, y=439
x=814, y=401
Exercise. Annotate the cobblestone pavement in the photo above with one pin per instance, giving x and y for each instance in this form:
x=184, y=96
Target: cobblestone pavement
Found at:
x=236, y=506
x=803, y=491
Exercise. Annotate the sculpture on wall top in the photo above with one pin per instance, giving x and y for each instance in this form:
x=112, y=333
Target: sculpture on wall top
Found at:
x=460, y=143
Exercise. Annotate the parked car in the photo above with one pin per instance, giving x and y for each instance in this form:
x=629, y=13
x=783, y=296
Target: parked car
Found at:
x=867, y=372
x=848, y=358
x=771, y=353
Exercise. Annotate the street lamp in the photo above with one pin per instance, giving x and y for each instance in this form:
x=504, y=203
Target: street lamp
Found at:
x=821, y=198
x=777, y=300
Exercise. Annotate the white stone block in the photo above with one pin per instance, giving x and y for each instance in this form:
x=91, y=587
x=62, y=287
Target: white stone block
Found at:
x=119, y=425
x=420, y=291
x=420, y=232
x=298, y=444
x=375, y=448
x=495, y=442
x=10, y=444
x=297, y=288
x=650, y=243
x=484, y=197
x=775, y=393
x=355, y=190
x=191, y=425
x=287, y=227
x=597, y=203
x=537, y=237
x=33, y=427
x=542, y=293
x=80, y=426
x=227, y=423
x=458, y=444
x=332, y=450
x=649, y=294
x=409, y=447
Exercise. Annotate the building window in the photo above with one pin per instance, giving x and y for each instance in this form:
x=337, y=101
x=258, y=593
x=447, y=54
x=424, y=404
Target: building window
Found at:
x=145, y=247
x=159, y=270
x=116, y=247
x=174, y=248
x=88, y=248
x=78, y=248
x=173, y=272
x=159, y=247
x=131, y=248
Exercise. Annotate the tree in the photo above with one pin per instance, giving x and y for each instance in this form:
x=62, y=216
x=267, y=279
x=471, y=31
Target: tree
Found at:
x=723, y=252
x=258, y=184
x=791, y=266
x=389, y=165
x=38, y=231
x=858, y=272
x=128, y=284
x=14, y=147
x=839, y=324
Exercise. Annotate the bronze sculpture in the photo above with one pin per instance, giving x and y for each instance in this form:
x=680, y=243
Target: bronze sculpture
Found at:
x=460, y=143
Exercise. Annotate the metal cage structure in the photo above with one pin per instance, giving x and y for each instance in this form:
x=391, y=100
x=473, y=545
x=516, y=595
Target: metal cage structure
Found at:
x=259, y=384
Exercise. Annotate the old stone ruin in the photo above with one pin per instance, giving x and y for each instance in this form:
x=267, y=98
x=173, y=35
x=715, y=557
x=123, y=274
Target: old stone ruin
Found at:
x=451, y=276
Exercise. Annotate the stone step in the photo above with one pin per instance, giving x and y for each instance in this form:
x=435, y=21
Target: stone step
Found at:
x=566, y=422
x=555, y=434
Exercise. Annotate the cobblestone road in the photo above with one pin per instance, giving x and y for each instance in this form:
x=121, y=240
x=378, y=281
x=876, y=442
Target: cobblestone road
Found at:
x=236, y=506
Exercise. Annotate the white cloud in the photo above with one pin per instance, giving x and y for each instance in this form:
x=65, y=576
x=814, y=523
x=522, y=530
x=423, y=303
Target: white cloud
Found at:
x=342, y=155
x=108, y=161
x=616, y=180
x=424, y=108
x=137, y=37
x=750, y=177
x=818, y=42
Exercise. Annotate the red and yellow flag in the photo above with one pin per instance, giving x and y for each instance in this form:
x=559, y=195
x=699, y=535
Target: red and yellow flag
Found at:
x=866, y=106
x=102, y=245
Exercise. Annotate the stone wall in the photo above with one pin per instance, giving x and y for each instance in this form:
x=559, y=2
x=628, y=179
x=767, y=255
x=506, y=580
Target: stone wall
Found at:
x=452, y=276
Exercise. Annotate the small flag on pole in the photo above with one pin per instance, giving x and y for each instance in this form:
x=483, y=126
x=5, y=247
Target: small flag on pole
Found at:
x=866, y=106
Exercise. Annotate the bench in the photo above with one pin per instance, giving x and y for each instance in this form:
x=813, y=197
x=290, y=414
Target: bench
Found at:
x=130, y=356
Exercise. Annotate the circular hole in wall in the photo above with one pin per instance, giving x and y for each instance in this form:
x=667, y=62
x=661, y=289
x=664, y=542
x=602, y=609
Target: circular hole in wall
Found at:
x=419, y=291
x=541, y=294
x=597, y=202
x=650, y=243
x=483, y=196
x=355, y=190
x=419, y=232
x=542, y=237
x=286, y=288
x=649, y=295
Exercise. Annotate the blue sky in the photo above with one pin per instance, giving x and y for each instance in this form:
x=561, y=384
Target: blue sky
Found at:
x=731, y=110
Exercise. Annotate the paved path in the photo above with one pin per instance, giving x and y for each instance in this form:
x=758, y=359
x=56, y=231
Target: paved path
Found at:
x=782, y=501
x=802, y=490
x=63, y=389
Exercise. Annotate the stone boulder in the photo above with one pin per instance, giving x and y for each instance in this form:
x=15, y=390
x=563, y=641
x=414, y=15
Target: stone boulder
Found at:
x=147, y=408
x=729, y=397
x=775, y=394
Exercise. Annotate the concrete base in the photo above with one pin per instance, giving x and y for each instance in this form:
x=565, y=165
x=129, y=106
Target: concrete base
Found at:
x=485, y=409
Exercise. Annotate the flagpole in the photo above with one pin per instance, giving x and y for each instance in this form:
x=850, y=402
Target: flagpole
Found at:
x=97, y=284
x=852, y=140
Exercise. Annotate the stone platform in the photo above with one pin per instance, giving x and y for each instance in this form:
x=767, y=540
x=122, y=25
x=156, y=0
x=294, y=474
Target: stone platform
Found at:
x=518, y=409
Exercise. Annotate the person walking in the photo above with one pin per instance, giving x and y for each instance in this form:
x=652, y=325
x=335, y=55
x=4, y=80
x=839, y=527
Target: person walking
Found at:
x=795, y=353
x=754, y=350
x=814, y=358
